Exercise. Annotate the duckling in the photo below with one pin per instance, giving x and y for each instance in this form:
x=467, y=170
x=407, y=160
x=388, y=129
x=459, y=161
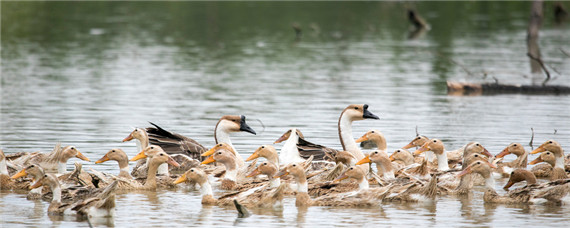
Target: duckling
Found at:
x=121, y=157
x=376, y=137
x=548, y=157
x=382, y=162
x=289, y=152
x=505, y=168
x=55, y=161
x=258, y=197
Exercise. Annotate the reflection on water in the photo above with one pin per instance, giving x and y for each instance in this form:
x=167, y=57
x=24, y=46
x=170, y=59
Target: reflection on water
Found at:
x=85, y=73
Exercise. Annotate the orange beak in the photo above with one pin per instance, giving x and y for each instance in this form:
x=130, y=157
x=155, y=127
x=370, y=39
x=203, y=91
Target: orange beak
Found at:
x=254, y=173
x=81, y=156
x=491, y=164
x=181, y=179
x=466, y=171
x=20, y=174
x=410, y=145
x=486, y=153
x=103, y=159
x=209, y=160
x=538, y=150
x=253, y=156
x=362, y=139
x=422, y=149
x=364, y=160
x=508, y=185
x=36, y=185
x=281, y=173
x=209, y=152
x=392, y=156
x=536, y=161
x=341, y=177
x=128, y=138
x=282, y=138
x=139, y=156
x=172, y=162
x=503, y=153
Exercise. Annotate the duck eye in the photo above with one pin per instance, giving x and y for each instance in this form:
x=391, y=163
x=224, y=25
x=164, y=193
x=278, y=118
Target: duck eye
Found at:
x=371, y=131
x=355, y=108
x=512, y=173
x=152, y=147
x=375, y=152
x=476, y=155
x=434, y=140
x=477, y=144
x=294, y=165
x=514, y=145
x=32, y=165
x=478, y=163
x=265, y=163
x=219, y=152
x=351, y=168
x=192, y=170
x=112, y=150
x=45, y=175
x=262, y=147
x=550, y=142
x=161, y=154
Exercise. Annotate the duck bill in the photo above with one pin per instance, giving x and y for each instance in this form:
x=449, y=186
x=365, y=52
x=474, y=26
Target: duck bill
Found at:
x=282, y=138
x=540, y=149
x=536, y=161
x=410, y=145
x=364, y=160
x=20, y=174
x=362, y=139
x=172, y=162
x=103, y=159
x=486, y=153
x=81, y=156
x=244, y=127
x=209, y=152
x=37, y=184
x=341, y=177
x=503, y=153
x=209, y=160
x=392, y=157
x=254, y=173
x=181, y=179
x=508, y=185
x=466, y=171
x=139, y=156
x=367, y=114
x=491, y=164
x=281, y=173
x=128, y=138
x=253, y=156
x=421, y=150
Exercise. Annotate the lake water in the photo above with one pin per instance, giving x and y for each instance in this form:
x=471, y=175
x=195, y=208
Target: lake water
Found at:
x=85, y=73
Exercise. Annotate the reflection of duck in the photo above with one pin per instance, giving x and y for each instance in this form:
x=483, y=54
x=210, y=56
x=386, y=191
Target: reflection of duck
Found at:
x=549, y=157
x=55, y=161
x=121, y=157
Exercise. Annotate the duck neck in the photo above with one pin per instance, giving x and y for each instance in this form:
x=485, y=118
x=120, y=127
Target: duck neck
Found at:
x=363, y=183
x=559, y=162
x=273, y=159
x=302, y=185
x=442, y=164
x=56, y=194
x=289, y=152
x=490, y=182
x=151, y=176
x=386, y=167
x=163, y=169
x=143, y=142
x=274, y=182
x=206, y=189
x=346, y=137
x=61, y=167
x=380, y=141
x=231, y=171
x=3, y=167
x=124, y=170
x=429, y=155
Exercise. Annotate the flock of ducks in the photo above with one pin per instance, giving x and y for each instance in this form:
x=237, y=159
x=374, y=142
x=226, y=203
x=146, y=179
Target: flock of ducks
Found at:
x=316, y=175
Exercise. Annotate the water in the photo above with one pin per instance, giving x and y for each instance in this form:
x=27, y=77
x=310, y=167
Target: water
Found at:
x=85, y=73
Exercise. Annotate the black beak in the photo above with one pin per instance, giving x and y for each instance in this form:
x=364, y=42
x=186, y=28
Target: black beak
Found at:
x=368, y=115
x=244, y=127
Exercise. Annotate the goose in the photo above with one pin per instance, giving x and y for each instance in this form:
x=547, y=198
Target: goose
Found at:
x=55, y=161
x=289, y=152
x=265, y=151
x=258, y=197
x=376, y=137
x=354, y=112
x=520, y=162
x=121, y=157
x=549, y=157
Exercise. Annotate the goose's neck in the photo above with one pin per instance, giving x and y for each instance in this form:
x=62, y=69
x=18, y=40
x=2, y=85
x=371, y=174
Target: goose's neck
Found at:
x=442, y=164
x=222, y=135
x=206, y=188
x=61, y=167
x=289, y=152
x=346, y=137
x=3, y=167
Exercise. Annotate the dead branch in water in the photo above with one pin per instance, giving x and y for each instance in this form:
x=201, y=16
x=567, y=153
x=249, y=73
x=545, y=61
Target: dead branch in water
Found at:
x=531, y=139
x=537, y=59
x=564, y=52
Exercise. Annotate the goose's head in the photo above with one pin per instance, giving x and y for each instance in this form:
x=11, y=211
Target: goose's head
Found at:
x=137, y=133
x=373, y=135
x=294, y=169
x=265, y=151
x=482, y=167
x=69, y=152
x=221, y=155
x=434, y=145
x=352, y=173
x=476, y=147
x=358, y=112
x=34, y=170
x=219, y=146
x=266, y=167
x=513, y=148
x=547, y=157
x=417, y=142
x=550, y=145
x=115, y=155
x=234, y=124
x=402, y=155
x=193, y=175
x=149, y=151
x=287, y=134
x=519, y=175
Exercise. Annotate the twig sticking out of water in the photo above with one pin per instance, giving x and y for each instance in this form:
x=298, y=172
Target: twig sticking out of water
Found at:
x=564, y=52
x=531, y=139
x=542, y=66
x=417, y=133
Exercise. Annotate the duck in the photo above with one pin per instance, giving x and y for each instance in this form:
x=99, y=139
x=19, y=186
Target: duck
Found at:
x=156, y=158
x=554, y=147
x=403, y=157
x=100, y=206
x=376, y=137
x=56, y=207
x=55, y=161
x=519, y=175
x=266, y=151
x=121, y=157
x=418, y=142
x=353, y=112
x=141, y=137
x=224, y=146
x=258, y=197
x=549, y=157
x=269, y=169
x=5, y=181
x=228, y=159
x=505, y=168
x=437, y=147
x=382, y=161
x=36, y=172
x=289, y=152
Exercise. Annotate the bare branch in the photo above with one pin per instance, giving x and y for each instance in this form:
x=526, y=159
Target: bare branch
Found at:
x=541, y=65
x=531, y=139
x=417, y=133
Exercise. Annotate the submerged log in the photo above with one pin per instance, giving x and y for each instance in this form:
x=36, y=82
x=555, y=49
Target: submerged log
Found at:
x=462, y=89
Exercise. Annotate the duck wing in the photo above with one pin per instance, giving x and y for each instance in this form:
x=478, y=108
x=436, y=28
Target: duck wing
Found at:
x=174, y=143
x=308, y=149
